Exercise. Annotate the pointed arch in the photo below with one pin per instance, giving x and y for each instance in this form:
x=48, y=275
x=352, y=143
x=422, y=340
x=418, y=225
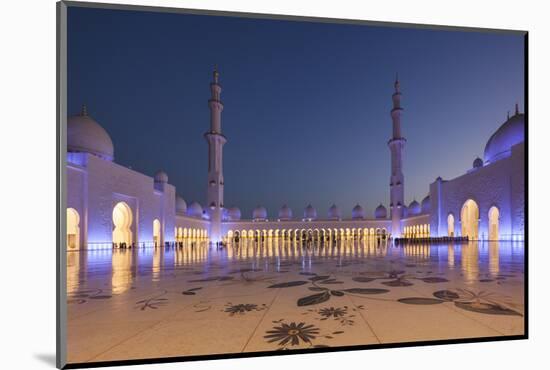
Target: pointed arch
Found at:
x=469, y=219
x=494, y=216
x=156, y=232
x=73, y=229
x=122, y=222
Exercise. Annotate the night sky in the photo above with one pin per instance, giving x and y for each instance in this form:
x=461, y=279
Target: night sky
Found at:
x=307, y=105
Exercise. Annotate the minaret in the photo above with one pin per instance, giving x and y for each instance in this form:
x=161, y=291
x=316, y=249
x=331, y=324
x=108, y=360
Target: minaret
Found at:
x=396, y=144
x=215, y=139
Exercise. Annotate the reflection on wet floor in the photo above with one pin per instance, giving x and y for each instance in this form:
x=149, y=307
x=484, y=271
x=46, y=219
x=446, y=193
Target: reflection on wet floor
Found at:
x=248, y=296
x=121, y=266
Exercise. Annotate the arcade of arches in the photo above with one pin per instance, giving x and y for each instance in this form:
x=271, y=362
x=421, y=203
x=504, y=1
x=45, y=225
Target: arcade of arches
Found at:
x=310, y=234
x=470, y=219
x=183, y=233
x=417, y=231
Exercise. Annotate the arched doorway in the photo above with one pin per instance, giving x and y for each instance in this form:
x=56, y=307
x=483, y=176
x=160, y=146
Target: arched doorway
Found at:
x=469, y=217
x=122, y=220
x=73, y=229
x=156, y=232
x=494, y=215
x=451, y=225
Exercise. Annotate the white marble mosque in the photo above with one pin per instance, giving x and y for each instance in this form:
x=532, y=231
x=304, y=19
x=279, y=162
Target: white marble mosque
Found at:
x=110, y=205
x=302, y=281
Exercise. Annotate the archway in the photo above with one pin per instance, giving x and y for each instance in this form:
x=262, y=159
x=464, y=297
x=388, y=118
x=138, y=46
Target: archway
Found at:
x=494, y=215
x=156, y=232
x=451, y=225
x=469, y=217
x=122, y=220
x=73, y=229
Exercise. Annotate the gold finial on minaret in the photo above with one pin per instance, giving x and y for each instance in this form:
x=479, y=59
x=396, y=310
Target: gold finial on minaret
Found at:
x=84, y=110
x=216, y=73
x=517, y=109
x=396, y=84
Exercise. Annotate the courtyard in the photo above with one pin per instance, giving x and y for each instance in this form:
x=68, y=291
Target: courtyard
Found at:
x=278, y=294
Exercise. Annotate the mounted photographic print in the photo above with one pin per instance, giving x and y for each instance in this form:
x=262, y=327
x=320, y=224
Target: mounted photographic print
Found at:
x=236, y=185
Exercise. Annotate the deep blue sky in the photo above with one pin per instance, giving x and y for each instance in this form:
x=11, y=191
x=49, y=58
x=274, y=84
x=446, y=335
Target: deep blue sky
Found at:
x=306, y=104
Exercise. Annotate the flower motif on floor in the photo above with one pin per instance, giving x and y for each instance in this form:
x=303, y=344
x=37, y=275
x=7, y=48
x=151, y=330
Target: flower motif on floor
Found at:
x=292, y=334
x=333, y=312
x=342, y=314
x=242, y=308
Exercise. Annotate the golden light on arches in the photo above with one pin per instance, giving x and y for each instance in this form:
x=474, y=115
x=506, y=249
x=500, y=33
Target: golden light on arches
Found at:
x=494, y=216
x=156, y=232
x=469, y=219
x=122, y=221
x=73, y=229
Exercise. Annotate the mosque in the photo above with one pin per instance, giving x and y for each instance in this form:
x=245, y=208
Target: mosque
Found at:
x=110, y=205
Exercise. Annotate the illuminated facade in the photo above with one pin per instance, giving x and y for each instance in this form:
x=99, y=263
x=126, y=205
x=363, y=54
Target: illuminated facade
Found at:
x=487, y=202
x=108, y=203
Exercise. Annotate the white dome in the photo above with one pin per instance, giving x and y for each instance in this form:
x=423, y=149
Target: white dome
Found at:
x=194, y=210
x=310, y=212
x=285, y=213
x=381, y=212
x=500, y=144
x=181, y=205
x=225, y=214
x=404, y=211
x=357, y=213
x=206, y=212
x=84, y=134
x=259, y=213
x=478, y=162
x=426, y=205
x=161, y=177
x=414, y=208
x=234, y=214
x=334, y=212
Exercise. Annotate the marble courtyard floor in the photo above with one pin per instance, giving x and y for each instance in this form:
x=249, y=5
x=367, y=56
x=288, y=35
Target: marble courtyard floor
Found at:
x=165, y=302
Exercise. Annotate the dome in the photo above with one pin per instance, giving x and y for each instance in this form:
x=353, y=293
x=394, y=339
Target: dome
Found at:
x=509, y=134
x=259, y=213
x=478, y=162
x=380, y=212
x=161, y=177
x=225, y=214
x=426, y=205
x=414, y=208
x=357, y=213
x=404, y=211
x=310, y=212
x=84, y=134
x=181, y=206
x=285, y=213
x=334, y=212
x=234, y=214
x=194, y=210
x=207, y=212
